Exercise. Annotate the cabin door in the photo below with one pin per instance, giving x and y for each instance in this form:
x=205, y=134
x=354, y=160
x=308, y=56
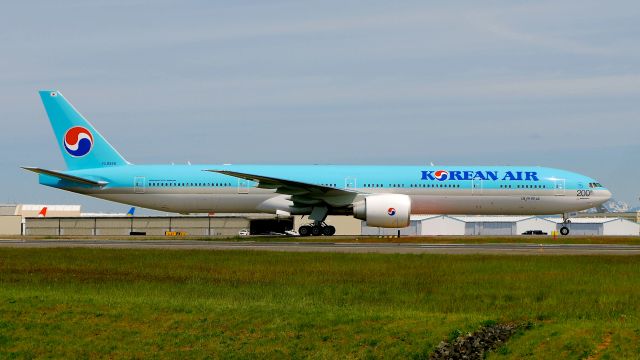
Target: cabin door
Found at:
x=559, y=187
x=139, y=184
x=243, y=186
x=476, y=186
x=350, y=183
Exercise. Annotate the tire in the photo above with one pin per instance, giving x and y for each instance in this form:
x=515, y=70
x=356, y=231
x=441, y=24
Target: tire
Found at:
x=316, y=231
x=304, y=230
x=564, y=230
x=328, y=230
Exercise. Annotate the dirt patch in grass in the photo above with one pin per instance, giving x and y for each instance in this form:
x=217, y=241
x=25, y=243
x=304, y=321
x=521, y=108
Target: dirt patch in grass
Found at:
x=475, y=345
x=601, y=347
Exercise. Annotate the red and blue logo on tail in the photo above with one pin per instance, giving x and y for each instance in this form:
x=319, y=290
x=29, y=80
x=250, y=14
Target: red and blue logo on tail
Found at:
x=78, y=141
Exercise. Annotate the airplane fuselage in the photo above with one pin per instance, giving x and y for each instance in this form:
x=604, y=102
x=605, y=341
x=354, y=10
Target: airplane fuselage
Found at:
x=433, y=190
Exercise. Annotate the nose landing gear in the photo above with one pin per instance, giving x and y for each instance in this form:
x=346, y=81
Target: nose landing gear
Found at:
x=316, y=229
x=564, y=230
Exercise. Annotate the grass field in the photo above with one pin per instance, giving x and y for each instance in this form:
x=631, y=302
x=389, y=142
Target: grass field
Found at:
x=98, y=303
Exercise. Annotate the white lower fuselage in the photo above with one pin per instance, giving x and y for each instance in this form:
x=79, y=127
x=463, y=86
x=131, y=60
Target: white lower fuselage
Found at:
x=298, y=189
x=423, y=201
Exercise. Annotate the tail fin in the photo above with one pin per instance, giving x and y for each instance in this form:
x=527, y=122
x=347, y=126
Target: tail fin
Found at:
x=81, y=144
x=131, y=211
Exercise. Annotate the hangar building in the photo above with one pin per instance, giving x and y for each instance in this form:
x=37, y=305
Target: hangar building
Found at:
x=506, y=225
x=68, y=220
x=155, y=225
x=30, y=210
x=12, y=216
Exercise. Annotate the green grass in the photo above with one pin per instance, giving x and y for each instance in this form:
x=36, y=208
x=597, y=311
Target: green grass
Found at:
x=99, y=303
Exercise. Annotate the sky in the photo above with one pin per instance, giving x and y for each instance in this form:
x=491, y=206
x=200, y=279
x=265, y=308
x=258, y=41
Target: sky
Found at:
x=548, y=83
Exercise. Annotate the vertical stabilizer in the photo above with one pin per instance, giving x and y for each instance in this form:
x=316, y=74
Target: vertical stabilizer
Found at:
x=81, y=144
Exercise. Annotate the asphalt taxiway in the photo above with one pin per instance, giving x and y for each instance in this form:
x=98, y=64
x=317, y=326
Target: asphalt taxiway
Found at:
x=388, y=248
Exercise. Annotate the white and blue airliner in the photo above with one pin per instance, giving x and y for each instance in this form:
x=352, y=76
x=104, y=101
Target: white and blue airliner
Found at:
x=383, y=196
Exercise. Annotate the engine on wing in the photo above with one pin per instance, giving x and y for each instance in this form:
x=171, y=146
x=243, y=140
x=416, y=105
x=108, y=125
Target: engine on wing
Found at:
x=388, y=210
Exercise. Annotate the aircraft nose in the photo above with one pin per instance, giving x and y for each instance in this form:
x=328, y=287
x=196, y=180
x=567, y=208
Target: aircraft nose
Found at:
x=601, y=196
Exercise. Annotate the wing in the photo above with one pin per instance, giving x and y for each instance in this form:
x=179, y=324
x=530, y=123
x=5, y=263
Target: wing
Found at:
x=64, y=176
x=302, y=193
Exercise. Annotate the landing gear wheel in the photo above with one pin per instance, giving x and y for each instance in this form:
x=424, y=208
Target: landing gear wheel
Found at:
x=304, y=230
x=316, y=231
x=564, y=230
x=328, y=230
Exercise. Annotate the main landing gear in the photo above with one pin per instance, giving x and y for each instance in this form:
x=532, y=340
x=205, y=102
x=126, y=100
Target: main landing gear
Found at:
x=564, y=230
x=316, y=229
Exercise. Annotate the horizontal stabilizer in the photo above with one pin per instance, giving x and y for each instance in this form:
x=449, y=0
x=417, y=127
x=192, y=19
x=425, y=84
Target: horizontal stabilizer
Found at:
x=64, y=176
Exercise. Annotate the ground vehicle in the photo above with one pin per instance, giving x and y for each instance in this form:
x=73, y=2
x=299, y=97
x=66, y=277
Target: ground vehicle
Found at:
x=534, y=232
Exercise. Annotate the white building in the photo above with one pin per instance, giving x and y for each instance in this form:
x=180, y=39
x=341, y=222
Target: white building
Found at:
x=31, y=210
x=600, y=226
x=506, y=225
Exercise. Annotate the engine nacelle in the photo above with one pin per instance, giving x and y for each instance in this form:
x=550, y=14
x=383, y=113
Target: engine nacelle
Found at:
x=387, y=210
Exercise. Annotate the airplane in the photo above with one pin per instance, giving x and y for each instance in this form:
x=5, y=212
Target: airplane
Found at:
x=43, y=212
x=383, y=196
x=131, y=211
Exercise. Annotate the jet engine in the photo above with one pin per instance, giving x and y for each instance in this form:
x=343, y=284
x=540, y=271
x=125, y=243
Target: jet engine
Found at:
x=386, y=210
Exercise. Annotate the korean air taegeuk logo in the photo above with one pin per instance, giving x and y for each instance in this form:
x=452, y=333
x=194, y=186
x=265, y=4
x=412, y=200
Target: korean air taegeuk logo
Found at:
x=78, y=141
x=441, y=175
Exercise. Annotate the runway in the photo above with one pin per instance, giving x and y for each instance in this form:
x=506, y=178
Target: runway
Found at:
x=385, y=248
